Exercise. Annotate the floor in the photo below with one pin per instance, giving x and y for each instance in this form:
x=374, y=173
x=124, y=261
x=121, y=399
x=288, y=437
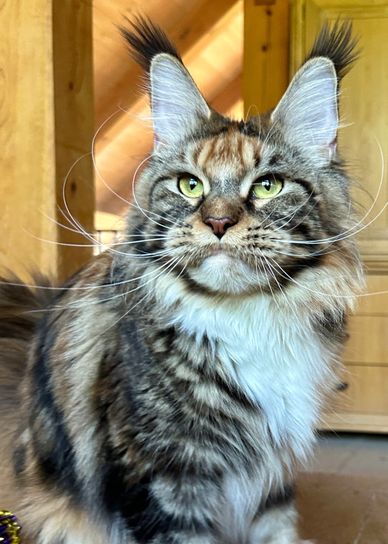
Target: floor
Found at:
x=343, y=492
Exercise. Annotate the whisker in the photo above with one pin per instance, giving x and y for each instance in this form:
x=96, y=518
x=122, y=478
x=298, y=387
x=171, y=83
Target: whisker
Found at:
x=85, y=233
x=65, y=227
x=268, y=281
x=172, y=266
x=279, y=285
x=93, y=153
x=331, y=295
x=70, y=244
x=338, y=237
x=85, y=302
x=174, y=223
x=79, y=288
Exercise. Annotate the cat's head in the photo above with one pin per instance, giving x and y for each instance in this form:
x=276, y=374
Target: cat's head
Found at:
x=239, y=206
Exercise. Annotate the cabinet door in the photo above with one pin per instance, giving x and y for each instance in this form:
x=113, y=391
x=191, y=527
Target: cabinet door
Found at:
x=363, y=139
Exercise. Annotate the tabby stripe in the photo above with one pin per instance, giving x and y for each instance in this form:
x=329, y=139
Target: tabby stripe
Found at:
x=280, y=498
x=57, y=465
x=306, y=185
x=215, y=424
x=140, y=510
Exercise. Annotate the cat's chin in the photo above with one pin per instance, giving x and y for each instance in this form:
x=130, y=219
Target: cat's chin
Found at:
x=222, y=273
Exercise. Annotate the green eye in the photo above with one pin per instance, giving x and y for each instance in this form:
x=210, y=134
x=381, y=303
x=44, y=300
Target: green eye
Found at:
x=190, y=186
x=267, y=187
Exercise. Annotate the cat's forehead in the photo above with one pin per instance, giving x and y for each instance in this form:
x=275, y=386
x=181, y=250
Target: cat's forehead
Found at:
x=227, y=156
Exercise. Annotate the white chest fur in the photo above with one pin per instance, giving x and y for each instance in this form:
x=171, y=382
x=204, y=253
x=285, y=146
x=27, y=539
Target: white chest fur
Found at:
x=273, y=354
x=276, y=357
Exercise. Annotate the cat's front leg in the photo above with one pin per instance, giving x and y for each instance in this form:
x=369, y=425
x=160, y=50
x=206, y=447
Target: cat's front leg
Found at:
x=276, y=525
x=169, y=509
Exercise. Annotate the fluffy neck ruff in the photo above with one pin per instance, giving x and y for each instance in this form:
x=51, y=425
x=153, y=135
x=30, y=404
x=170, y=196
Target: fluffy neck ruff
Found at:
x=271, y=352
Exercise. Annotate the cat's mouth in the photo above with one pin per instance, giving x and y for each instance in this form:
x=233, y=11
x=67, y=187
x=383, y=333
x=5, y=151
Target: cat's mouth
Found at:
x=221, y=250
x=222, y=255
x=222, y=269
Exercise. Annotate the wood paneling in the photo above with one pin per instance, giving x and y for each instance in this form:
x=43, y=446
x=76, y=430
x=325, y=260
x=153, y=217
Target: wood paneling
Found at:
x=73, y=127
x=367, y=390
x=26, y=136
x=266, y=54
x=364, y=143
x=355, y=421
x=361, y=403
x=46, y=124
x=117, y=77
x=368, y=342
x=374, y=301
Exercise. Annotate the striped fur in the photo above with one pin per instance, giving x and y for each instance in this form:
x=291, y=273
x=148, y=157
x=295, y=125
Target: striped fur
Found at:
x=166, y=393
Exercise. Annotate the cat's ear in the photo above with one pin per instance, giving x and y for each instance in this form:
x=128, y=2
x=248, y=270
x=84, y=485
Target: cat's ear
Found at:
x=307, y=115
x=177, y=105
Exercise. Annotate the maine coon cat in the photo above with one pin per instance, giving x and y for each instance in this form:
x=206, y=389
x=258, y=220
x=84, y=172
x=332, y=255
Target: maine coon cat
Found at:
x=166, y=392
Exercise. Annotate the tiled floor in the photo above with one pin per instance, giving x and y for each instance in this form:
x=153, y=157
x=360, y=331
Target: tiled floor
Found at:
x=343, y=492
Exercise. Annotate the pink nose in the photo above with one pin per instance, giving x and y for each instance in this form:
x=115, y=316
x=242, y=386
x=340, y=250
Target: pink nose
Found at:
x=219, y=225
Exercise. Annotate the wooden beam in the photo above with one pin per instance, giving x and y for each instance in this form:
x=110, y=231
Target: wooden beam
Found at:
x=117, y=77
x=46, y=125
x=228, y=99
x=74, y=125
x=266, y=53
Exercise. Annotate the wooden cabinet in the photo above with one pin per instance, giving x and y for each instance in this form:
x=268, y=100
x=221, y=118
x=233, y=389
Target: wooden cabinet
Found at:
x=362, y=401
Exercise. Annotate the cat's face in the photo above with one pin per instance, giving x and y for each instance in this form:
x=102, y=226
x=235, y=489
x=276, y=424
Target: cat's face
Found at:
x=238, y=207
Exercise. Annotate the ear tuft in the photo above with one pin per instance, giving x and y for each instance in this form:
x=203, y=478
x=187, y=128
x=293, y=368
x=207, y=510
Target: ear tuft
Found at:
x=337, y=44
x=146, y=40
x=177, y=105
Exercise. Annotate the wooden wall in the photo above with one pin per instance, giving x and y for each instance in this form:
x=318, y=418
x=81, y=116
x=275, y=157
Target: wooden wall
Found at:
x=46, y=124
x=266, y=53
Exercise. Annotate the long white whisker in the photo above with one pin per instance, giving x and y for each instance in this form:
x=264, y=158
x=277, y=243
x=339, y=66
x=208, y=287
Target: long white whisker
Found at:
x=338, y=237
x=85, y=233
x=69, y=244
x=145, y=212
x=315, y=291
x=97, y=170
x=172, y=266
x=268, y=280
x=79, y=304
x=89, y=287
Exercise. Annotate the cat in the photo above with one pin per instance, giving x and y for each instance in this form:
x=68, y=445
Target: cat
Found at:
x=167, y=391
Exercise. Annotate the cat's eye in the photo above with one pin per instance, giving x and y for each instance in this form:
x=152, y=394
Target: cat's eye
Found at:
x=190, y=186
x=266, y=187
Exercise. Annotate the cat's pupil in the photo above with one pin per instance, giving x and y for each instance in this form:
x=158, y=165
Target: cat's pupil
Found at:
x=193, y=184
x=266, y=184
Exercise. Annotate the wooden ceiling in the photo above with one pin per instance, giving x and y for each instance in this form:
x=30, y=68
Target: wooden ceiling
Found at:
x=209, y=35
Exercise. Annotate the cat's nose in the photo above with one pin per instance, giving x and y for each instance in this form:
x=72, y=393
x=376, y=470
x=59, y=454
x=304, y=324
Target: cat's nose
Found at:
x=219, y=225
